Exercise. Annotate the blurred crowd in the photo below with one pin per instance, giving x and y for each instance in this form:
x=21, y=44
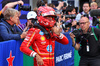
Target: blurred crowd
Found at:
x=64, y=16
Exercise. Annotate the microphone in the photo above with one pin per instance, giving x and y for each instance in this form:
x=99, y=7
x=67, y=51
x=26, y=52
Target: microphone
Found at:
x=95, y=12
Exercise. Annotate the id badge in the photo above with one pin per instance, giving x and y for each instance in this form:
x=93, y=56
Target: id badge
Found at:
x=87, y=47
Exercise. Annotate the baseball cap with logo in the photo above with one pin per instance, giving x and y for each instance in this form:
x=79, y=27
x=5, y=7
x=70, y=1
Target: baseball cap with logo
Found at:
x=31, y=15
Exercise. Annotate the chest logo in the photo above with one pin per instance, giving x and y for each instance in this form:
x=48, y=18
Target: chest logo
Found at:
x=43, y=43
x=49, y=48
x=42, y=38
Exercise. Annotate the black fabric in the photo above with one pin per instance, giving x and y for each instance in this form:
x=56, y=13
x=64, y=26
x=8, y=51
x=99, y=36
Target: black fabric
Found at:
x=94, y=21
x=89, y=61
x=93, y=44
x=1, y=16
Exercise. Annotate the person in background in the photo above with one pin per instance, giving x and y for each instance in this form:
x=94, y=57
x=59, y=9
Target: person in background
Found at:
x=8, y=28
x=89, y=38
x=93, y=0
x=59, y=15
x=77, y=25
x=30, y=15
x=51, y=5
x=98, y=25
x=98, y=2
x=93, y=5
x=86, y=13
x=35, y=9
x=9, y=4
x=43, y=41
x=70, y=10
x=46, y=2
x=42, y=3
x=59, y=6
x=65, y=6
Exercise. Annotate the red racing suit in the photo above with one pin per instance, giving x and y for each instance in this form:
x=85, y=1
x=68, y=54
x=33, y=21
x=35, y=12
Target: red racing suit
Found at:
x=41, y=45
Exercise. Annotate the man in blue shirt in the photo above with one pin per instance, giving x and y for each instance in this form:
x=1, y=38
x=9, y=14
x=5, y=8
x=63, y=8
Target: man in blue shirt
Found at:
x=85, y=12
x=8, y=28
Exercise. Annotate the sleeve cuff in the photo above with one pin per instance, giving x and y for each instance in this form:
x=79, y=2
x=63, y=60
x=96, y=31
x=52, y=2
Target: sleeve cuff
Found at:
x=33, y=54
x=61, y=36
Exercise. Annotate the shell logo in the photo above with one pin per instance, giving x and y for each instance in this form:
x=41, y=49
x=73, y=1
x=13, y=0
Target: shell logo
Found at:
x=42, y=38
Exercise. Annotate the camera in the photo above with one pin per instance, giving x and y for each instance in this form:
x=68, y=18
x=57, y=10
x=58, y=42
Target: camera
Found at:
x=86, y=15
x=79, y=32
x=98, y=21
x=96, y=16
x=25, y=8
x=72, y=16
x=76, y=32
x=66, y=24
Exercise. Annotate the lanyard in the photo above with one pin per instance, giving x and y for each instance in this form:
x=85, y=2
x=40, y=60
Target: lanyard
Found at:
x=87, y=47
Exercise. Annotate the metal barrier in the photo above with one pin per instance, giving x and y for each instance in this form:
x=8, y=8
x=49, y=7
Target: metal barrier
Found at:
x=10, y=54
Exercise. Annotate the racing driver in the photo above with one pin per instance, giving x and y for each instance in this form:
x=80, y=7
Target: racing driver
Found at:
x=42, y=45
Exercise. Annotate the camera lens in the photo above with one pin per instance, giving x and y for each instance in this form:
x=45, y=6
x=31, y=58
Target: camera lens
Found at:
x=25, y=8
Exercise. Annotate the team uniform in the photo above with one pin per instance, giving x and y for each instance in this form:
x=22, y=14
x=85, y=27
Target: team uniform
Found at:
x=42, y=45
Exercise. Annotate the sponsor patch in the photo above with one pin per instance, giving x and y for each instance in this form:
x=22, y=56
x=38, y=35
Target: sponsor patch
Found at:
x=41, y=33
x=42, y=38
x=43, y=43
x=49, y=48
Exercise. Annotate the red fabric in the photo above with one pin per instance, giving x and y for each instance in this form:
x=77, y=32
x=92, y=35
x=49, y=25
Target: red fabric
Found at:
x=41, y=45
x=45, y=11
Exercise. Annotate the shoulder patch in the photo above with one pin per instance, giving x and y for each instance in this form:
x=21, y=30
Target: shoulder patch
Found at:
x=41, y=33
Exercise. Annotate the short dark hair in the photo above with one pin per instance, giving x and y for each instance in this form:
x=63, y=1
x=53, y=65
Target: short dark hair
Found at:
x=69, y=9
x=51, y=5
x=45, y=1
x=41, y=3
x=86, y=3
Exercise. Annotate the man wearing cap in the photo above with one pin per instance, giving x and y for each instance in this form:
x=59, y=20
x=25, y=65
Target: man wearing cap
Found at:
x=30, y=15
x=43, y=43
